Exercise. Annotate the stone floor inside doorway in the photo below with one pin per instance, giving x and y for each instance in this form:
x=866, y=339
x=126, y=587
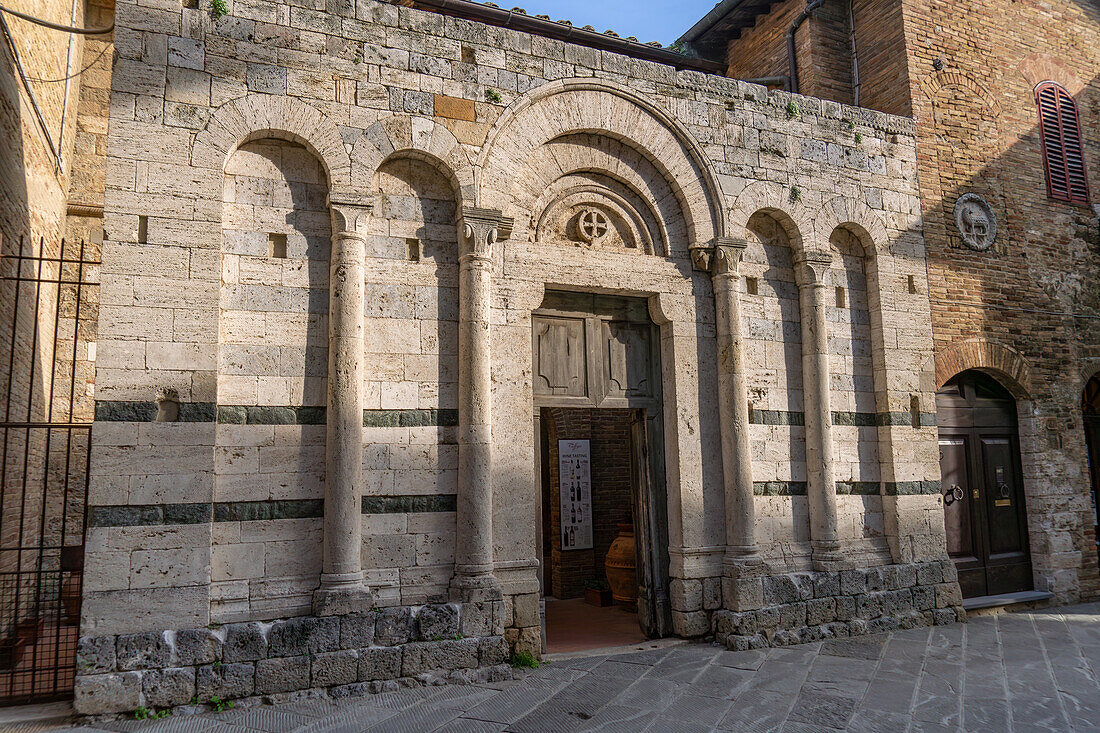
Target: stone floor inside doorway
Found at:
x=573, y=625
x=1025, y=671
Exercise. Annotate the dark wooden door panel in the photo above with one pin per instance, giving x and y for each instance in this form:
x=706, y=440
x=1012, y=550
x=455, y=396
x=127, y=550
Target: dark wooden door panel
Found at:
x=1001, y=496
x=956, y=497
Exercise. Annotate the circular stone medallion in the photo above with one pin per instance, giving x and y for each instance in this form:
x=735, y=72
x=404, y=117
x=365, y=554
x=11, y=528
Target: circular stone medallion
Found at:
x=593, y=225
x=976, y=222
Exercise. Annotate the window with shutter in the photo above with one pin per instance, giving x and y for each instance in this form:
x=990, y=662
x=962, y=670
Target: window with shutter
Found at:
x=1060, y=132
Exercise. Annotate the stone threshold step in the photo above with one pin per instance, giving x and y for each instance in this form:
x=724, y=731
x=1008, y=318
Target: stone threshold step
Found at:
x=1006, y=599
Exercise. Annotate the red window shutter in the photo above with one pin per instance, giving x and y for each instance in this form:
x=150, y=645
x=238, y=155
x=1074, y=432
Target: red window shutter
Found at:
x=1063, y=154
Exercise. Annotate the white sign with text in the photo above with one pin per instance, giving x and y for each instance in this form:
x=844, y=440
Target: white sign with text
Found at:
x=575, y=486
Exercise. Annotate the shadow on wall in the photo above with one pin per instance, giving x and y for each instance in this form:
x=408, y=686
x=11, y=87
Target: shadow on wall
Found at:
x=1021, y=277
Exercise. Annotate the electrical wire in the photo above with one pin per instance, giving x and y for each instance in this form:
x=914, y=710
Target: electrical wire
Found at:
x=57, y=26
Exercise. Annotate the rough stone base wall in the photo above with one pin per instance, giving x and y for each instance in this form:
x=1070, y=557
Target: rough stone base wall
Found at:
x=378, y=650
x=796, y=608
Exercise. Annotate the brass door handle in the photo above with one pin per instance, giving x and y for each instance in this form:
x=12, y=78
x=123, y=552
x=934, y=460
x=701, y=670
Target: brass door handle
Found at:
x=975, y=493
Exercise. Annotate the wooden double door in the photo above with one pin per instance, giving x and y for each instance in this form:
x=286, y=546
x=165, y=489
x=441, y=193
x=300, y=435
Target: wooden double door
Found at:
x=601, y=352
x=983, y=498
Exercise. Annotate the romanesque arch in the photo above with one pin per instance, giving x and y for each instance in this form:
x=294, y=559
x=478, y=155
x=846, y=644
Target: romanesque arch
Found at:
x=259, y=116
x=412, y=137
x=777, y=202
x=648, y=169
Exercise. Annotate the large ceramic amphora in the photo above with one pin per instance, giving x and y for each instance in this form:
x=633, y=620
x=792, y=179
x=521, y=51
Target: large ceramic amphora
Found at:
x=621, y=567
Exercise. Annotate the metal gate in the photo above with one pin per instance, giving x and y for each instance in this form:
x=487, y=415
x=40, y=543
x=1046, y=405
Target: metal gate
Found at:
x=48, y=315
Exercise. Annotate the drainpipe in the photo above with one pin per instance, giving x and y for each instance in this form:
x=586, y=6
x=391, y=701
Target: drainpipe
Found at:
x=792, y=60
x=855, y=58
x=65, y=97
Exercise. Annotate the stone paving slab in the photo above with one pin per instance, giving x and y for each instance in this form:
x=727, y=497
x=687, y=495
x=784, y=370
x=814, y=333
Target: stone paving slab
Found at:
x=1031, y=671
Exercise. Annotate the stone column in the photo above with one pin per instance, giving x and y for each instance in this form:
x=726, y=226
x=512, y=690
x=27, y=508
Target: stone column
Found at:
x=810, y=270
x=342, y=590
x=742, y=556
x=474, y=580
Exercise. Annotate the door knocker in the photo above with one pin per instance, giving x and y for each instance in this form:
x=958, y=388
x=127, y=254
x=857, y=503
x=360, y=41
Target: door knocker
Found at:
x=955, y=493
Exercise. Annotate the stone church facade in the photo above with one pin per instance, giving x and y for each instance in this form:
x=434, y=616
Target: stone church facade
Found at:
x=369, y=269
x=348, y=258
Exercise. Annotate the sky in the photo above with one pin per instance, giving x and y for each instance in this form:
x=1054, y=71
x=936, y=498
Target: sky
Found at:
x=648, y=20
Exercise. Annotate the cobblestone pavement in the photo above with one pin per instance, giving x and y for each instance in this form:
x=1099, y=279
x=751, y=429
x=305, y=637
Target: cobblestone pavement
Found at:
x=1013, y=672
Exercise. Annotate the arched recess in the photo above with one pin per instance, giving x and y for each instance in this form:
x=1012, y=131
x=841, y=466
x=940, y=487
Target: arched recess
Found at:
x=855, y=359
x=272, y=360
x=413, y=137
x=772, y=341
x=602, y=116
x=998, y=360
x=411, y=310
x=260, y=116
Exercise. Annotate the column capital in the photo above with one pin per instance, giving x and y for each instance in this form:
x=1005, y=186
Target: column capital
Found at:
x=810, y=267
x=720, y=256
x=479, y=229
x=350, y=212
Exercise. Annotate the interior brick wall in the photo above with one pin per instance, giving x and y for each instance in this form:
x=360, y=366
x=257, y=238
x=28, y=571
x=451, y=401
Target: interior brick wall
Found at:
x=610, y=461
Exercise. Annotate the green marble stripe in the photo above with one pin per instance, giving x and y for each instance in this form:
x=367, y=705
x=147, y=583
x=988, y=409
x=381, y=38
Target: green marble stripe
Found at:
x=145, y=515
x=270, y=415
x=252, y=511
x=859, y=488
x=409, y=504
x=927, y=419
x=913, y=488
x=776, y=417
x=119, y=411
x=149, y=515
x=779, y=488
x=856, y=419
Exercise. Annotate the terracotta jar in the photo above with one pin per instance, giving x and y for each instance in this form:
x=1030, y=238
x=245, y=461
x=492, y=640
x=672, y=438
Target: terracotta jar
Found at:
x=621, y=567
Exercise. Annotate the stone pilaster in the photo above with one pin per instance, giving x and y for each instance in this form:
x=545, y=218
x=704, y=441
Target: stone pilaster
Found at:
x=342, y=590
x=810, y=270
x=474, y=581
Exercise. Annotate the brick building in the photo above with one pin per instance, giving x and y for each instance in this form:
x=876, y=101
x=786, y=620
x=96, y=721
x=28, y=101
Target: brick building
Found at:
x=373, y=275
x=1021, y=305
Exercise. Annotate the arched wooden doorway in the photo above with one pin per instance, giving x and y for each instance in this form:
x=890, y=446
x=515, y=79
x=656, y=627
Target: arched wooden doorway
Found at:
x=1090, y=404
x=984, y=510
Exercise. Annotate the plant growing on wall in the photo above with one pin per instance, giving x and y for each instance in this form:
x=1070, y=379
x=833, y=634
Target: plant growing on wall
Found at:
x=493, y=96
x=792, y=110
x=218, y=8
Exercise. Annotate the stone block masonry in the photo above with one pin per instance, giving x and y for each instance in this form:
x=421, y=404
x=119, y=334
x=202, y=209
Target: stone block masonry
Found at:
x=326, y=233
x=796, y=608
x=379, y=650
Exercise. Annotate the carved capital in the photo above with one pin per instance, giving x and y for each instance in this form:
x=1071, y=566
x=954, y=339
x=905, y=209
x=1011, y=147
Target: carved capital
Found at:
x=811, y=266
x=728, y=252
x=479, y=229
x=701, y=255
x=350, y=213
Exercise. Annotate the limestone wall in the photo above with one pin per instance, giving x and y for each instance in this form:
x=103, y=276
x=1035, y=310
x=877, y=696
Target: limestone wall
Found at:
x=228, y=143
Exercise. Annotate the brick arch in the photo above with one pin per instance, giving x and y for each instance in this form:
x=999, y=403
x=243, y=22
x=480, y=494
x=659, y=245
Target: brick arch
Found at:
x=598, y=107
x=932, y=84
x=864, y=222
x=1040, y=67
x=1006, y=365
x=774, y=200
x=257, y=116
x=418, y=137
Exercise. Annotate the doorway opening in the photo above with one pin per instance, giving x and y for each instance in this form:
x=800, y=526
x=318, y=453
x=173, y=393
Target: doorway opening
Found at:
x=983, y=498
x=589, y=555
x=1090, y=404
x=602, y=533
